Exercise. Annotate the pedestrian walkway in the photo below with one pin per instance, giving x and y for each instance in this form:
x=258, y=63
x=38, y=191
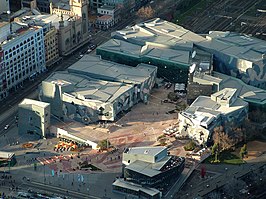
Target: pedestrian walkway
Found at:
x=215, y=183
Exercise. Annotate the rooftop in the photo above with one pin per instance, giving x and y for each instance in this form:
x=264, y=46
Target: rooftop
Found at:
x=204, y=109
x=104, y=17
x=152, y=151
x=93, y=66
x=153, y=169
x=236, y=44
x=5, y=155
x=157, y=52
x=86, y=88
x=161, y=32
x=136, y=187
x=244, y=91
x=27, y=101
x=107, y=7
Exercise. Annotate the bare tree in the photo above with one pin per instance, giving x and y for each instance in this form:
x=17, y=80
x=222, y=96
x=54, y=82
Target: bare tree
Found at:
x=146, y=13
x=222, y=139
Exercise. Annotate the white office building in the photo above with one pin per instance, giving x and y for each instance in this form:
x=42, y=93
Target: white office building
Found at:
x=22, y=56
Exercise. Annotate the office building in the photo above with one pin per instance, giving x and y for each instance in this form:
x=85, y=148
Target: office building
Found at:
x=205, y=113
x=49, y=34
x=23, y=55
x=34, y=118
x=146, y=170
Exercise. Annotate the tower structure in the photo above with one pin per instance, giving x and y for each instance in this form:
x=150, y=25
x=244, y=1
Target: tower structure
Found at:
x=80, y=8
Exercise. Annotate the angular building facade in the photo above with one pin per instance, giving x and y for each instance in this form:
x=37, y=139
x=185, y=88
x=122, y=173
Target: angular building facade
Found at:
x=205, y=113
x=34, y=117
x=95, y=89
x=238, y=55
x=147, y=170
x=157, y=42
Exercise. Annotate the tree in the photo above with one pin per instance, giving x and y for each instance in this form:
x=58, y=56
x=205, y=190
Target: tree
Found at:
x=222, y=139
x=190, y=146
x=172, y=96
x=243, y=151
x=214, y=148
x=215, y=152
x=145, y=12
x=104, y=144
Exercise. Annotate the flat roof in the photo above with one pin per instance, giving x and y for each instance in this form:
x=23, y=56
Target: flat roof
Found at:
x=88, y=88
x=51, y=18
x=95, y=67
x=152, y=151
x=4, y=154
x=135, y=187
x=27, y=101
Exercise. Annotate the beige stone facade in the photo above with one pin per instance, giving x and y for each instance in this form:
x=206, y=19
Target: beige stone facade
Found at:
x=51, y=47
x=73, y=24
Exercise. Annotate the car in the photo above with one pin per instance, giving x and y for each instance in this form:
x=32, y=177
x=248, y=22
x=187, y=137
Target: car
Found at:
x=6, y=126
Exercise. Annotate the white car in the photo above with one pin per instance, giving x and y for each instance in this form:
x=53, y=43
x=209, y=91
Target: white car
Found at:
x=6, y=127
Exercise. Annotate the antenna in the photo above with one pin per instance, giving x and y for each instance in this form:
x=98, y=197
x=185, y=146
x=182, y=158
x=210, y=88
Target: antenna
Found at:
x=193, y=54
x=192, y=68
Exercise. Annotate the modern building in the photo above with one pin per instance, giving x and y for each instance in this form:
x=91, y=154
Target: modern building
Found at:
x=159, y=43
x=4, y=6
x=141, y=77
x=256, y=97
x=34, y=117
x=85, y=99
x=146, y=170
x=23, y=55
x=237, y=55
x=205, y=113
x=94, y=89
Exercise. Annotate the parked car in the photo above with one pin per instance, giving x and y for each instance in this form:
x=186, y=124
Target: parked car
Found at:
x=7, y=126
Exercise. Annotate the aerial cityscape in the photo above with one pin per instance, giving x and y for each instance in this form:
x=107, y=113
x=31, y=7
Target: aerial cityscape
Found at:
x=128, y=99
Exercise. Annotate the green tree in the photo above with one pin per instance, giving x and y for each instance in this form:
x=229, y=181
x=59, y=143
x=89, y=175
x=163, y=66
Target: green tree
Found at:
x=214, y=148
x=243, y=151
x=190, y=146
x=172, y=96
x=104, y=144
